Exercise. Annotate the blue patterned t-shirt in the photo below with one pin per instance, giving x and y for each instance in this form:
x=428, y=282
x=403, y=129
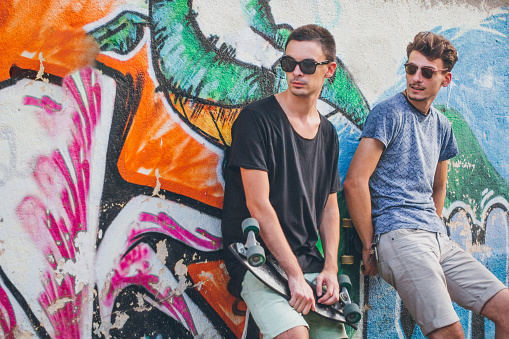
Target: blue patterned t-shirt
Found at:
x=402, y=183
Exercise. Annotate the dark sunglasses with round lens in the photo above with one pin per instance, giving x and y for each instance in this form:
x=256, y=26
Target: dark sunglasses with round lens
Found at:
x=288, y=64
x=426, y=71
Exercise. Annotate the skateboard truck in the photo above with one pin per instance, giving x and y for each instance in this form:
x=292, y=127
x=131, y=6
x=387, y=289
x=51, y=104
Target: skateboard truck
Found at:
x=254, y=252
x=351, y=310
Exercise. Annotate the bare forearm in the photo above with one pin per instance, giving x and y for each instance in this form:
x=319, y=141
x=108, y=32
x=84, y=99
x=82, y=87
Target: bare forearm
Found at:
x=356, y=186
x=257, y=188
x=358, y=198
x=440, y=186
x=329, y=234
x=439, y=200
x=274, y=238
x=358, y=201
x=359, y=205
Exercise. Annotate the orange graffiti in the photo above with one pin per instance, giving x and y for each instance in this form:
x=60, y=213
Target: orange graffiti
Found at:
x=51, y=27
x=157, y=143
x=211, y=280
x=212, y=120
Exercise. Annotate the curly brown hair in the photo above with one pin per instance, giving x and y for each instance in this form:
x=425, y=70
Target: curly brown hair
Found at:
x=434, y=46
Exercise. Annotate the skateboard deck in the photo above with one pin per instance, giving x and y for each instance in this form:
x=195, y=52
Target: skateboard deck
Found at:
x=272, y=275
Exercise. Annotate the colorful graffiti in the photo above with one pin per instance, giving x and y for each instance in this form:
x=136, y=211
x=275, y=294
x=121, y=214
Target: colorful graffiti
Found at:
x=114, y=124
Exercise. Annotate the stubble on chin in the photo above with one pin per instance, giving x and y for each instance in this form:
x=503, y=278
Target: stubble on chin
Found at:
x=416, y=99
x=299, y=93
x=409, y=96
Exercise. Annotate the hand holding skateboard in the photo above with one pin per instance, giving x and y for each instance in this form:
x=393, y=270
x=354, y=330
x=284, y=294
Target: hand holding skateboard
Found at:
x=252, y=256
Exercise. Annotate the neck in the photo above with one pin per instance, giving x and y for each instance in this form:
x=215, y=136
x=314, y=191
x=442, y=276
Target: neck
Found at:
x=298, y=106
x=301, y=113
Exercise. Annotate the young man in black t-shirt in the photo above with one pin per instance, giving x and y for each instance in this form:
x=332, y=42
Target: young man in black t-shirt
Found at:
x=283, y=170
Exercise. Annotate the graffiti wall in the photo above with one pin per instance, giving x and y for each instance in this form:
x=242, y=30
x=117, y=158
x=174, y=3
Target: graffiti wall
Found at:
x=115, y=119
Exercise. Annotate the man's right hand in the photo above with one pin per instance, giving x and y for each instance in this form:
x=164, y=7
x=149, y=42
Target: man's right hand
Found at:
x=302, y=297
x=368, y=258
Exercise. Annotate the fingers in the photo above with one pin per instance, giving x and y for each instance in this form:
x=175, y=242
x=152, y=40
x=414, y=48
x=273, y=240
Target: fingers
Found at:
x=306, y=303
x=329, y=299
x=369, y=266
x=302, y=297
x=302, y=304
x=307, y=307
x=313, y=305
x=329, y=284
x=369, y=269
x=320, y=286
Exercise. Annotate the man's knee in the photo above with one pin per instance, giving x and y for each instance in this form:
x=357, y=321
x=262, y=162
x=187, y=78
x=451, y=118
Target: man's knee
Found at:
x=497, y=309
x=295, y=333
x=448, y=332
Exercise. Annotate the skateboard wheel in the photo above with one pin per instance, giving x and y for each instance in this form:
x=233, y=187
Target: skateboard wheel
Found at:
x=344, y=281
x=255, y=255
x=347, y=259
x=352, y=313
x=250, y=224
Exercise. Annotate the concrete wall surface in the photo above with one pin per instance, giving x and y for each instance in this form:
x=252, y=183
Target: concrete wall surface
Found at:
x=114, y=121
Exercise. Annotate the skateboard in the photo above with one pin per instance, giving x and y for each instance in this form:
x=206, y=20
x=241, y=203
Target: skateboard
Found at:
x=265, y=268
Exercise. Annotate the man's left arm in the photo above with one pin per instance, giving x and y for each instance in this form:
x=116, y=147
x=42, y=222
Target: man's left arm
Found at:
x=440, y=186
x=329, y=235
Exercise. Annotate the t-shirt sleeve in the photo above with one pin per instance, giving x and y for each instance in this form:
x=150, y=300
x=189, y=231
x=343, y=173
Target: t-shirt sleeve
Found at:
x=449, y=145
x=380, y=124
x=248, y=148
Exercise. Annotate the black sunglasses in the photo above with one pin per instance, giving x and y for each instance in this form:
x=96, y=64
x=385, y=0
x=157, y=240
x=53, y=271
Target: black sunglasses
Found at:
x=426, y=71
x=288, y=64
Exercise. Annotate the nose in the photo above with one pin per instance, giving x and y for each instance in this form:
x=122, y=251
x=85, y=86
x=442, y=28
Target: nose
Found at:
x=417, y=77
x=297, y=71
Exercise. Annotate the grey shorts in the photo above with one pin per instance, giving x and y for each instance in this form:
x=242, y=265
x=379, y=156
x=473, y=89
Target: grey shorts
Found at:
x=274, y=315
x=429, y=271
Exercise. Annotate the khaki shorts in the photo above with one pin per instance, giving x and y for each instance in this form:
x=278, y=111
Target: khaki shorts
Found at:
x=274, y=315
x=429, y=271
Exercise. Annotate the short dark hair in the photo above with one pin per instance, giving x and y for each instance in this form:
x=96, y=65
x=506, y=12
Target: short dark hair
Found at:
x=315, y=33
x=434, y=46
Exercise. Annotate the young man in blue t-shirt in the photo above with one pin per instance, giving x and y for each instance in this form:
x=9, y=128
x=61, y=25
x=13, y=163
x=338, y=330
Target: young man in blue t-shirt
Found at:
x=395, y=189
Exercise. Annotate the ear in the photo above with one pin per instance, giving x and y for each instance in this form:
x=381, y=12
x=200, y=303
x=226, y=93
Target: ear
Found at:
x=447, y=80
x=331, y=68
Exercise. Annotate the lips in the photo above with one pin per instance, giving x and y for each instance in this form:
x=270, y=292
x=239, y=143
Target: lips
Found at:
x=417, y=88
x=298, y=83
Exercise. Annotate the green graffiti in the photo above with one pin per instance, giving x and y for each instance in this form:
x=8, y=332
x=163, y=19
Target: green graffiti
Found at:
x=343, y=93
x=470, y=172
x=122, y=34
x=262, y=22
x=192, y=66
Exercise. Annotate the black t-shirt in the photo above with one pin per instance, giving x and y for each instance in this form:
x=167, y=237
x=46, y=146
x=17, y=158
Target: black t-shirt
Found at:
x=302, y=173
